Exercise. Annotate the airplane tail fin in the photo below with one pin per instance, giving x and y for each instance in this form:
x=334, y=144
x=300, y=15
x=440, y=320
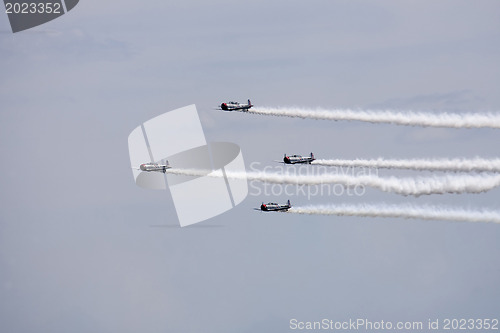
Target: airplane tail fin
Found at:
x=167, y=164
x=312, y=156
x=289, y=204
x=250, y=103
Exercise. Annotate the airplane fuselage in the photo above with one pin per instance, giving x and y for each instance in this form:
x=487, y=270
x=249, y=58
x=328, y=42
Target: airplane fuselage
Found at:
x=234, y=106
x=154, y=167
x=274, y=207
x=295, y=159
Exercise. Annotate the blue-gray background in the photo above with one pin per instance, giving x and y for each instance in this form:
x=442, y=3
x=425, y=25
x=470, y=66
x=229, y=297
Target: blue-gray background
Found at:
x=82, y=249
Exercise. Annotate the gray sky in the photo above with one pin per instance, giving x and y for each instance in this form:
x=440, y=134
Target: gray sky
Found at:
x=83, y=249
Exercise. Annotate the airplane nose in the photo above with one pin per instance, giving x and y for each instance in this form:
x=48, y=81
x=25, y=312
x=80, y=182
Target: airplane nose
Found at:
x=142, y=167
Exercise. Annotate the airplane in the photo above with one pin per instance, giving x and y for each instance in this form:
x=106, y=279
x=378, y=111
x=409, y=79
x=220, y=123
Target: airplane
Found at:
x=293, y=159
x=155, y=167
x=274, y=207
x=233, y=106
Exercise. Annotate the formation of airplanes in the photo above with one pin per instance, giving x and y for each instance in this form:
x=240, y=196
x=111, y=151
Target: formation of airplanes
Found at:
x=290, y=159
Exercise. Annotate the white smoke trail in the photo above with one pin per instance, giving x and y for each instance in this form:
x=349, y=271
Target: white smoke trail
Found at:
x=402, y=211
x=456, y=164
x=406, y=186
x=409, y=118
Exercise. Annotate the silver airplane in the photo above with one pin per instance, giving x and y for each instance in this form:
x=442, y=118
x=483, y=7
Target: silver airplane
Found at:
x=294, y=159
x=155, y=167
x=234, y=106
x=274, y=207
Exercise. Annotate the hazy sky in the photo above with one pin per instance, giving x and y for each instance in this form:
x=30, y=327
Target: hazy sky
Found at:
x=83, y=249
